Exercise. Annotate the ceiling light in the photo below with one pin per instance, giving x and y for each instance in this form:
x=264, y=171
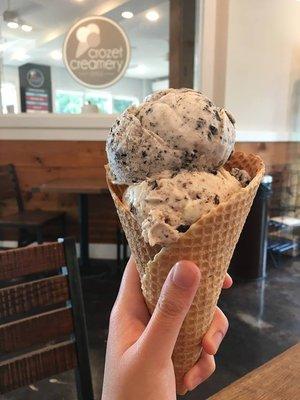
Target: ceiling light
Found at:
x=13, y=25
x=56, y=55
x=152, y=15
x=26, y=28
x=141, y=69
x=19, y=55
x=127, y=14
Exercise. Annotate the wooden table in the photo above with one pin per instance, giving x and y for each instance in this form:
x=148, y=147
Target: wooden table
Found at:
x=278, y=379
x=81, y=187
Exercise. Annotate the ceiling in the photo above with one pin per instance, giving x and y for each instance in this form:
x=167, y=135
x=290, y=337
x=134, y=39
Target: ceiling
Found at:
x=51, y=20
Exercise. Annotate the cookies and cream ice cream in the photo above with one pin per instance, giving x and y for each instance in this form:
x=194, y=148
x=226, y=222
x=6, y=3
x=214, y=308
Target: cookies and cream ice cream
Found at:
x=170, y=151
x=168, y=206
x=172, y=130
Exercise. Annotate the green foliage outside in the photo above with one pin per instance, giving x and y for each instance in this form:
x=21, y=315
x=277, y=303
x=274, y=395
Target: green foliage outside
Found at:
x=67, y=102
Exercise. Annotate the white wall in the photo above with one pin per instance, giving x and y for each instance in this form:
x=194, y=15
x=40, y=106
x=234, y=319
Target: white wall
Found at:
x=263, y=64
x=61, y=79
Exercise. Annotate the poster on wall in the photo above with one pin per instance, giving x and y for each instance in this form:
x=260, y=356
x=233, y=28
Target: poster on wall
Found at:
x=35, y=87
x=96, y=52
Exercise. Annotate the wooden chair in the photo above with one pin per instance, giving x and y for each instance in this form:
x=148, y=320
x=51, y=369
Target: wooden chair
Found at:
x=42, y=321
x=25, y=221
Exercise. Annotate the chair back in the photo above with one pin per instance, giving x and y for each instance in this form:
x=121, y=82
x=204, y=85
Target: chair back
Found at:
x=42, y=321
x=9, y=185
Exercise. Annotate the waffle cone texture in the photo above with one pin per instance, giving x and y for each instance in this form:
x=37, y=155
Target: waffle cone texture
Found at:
x=209, y=243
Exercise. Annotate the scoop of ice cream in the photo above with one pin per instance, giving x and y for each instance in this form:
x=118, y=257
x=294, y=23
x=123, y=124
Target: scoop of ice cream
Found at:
x=174, y=129
x=166, y=207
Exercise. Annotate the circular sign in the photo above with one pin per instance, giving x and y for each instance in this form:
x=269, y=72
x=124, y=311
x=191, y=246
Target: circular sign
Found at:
x=35, y=78
x=96, y=52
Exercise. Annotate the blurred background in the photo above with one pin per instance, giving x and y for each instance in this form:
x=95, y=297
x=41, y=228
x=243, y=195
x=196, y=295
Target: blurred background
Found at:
x=244, y=55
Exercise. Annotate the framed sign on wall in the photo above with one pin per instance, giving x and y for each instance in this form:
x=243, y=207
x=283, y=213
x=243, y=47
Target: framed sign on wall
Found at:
x=35, y=87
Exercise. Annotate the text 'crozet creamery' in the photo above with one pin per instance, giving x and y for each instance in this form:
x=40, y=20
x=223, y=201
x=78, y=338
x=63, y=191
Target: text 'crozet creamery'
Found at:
x=107, y=59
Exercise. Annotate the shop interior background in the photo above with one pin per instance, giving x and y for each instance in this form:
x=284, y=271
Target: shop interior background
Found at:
x=49, y=21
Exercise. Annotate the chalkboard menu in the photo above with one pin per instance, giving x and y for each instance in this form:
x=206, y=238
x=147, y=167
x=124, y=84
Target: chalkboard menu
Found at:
x=35, y=86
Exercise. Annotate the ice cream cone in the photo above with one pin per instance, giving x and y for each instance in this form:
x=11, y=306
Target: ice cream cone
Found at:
x=209, y=242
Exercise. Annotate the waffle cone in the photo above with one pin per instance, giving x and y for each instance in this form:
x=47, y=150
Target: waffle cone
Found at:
x=209, y=242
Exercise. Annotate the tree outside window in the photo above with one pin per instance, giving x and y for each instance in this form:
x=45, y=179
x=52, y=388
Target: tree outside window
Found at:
x=68, y=102
x=121, y=103
x=71, y=102
x=103, y=102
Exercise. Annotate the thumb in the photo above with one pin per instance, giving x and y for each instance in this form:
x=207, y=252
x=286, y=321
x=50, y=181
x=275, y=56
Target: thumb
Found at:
x=176, y=297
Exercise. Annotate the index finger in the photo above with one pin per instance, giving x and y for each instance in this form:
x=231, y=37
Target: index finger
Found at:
x=130, y=298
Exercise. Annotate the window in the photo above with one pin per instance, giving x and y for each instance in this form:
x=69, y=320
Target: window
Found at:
x=121, y=103
x=103, y=101
x=68, y=102
x=149, y=41
x=109, y=104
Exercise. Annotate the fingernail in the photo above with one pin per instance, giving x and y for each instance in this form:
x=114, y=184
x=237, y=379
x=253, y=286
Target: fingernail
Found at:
x=184, y=274
x=217, y=338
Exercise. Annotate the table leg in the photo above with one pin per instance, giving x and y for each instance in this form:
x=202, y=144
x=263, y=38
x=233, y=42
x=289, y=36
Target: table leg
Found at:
x=83, y=207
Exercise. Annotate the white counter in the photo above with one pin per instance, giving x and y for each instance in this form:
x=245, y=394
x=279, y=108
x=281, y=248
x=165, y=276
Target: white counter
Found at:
x=92, y=127
x=55, y=127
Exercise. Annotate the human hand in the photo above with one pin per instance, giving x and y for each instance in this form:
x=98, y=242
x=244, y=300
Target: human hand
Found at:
x=138, y=358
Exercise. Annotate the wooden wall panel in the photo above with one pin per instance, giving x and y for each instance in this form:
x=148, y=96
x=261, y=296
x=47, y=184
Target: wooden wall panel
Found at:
x=37, y=162
x=273, y=153
x=41, y=161
x=54, y=153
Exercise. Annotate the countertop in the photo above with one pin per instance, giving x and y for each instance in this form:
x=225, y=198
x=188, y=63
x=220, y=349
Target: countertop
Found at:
x=94, y=127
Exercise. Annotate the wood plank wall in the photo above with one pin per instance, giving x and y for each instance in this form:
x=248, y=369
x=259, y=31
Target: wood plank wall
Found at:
x=273, y=153
x=37, y=162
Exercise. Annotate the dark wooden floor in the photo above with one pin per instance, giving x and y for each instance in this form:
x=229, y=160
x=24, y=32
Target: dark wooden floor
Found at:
x=264, y=321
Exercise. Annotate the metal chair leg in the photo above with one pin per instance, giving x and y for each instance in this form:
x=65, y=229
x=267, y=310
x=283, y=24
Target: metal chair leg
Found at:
x=23, y=235
x=273, y=259
x=39, y=235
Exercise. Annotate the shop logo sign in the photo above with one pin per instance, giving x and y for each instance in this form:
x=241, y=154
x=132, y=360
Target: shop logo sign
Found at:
x=96, y=52
x=35, y=78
